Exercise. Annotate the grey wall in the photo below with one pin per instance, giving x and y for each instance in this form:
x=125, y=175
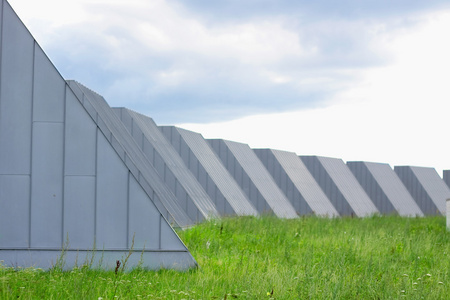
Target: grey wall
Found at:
x=60, y=178
x=446, y=177
x=170, y=167
x=253, y=178
x=385, y=189
x=426, y=187
x=340, y=186
x=209, y=171
x=297, y=183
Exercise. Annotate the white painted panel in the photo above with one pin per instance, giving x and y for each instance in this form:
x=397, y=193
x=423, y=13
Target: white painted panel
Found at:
x=79, y=211
x=48, y=90
x=144, y=219
x=112, y=197
x=169, y=239
x=15, y=94
x=14, y=210
x=47, y=185
x=80, y=148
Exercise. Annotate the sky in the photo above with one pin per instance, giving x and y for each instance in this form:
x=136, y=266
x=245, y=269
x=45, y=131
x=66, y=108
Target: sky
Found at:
x=357, y=80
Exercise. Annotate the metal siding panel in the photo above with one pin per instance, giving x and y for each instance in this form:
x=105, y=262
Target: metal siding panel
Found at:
x=80, y=139
x=172, y=163
x=416, y=179
x=308, y=194
x=148, y=177
x=47, y=185
x=112, y=195
x=372, y=187
x=323, y=179
x=159, y=164
x=15, y=93
x=144, y=219
x=446, y=177
x=259, y=177
x=212, y=174
x=79, y=211
x=169, y=240
x=349, y=187
x=15, y=211
x=434, y=187
x=48, y=90
x=386, y=186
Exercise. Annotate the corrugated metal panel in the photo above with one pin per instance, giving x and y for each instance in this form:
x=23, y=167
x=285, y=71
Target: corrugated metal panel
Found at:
x=253, y=177
x=426, y=187
x=64, y=174
x=384, y=188
x=202, y=160
x=339, y=184
x=297, y=183
x=173, y=171
x=124, y=144
x=446, y=175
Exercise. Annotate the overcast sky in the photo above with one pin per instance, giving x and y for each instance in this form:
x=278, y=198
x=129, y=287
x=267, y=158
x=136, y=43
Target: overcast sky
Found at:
x=357, y=80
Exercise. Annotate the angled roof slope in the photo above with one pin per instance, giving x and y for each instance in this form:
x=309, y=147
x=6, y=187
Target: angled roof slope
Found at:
x=64, y=180
x=426, y=187
x=253, y=177
x=209, y=170
x=339, y=184
x=297, y=183
x=171, y=168
x=385, y=189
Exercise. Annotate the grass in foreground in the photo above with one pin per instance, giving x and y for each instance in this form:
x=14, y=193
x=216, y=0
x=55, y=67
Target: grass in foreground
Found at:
x=264, y=258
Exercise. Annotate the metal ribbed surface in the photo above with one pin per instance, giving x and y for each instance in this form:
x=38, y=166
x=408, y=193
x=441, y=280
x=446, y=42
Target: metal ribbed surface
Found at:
x=446, y=176
x=208, y=168
x=426, y=187
x=339, y=184
x=116, y=133
x=171, y=167
x=297, y=183
x=384, y=188
x=253, y=177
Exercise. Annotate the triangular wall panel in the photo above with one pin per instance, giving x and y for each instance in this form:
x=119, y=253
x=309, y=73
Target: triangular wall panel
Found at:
x=169, y=165
x=199, y=157
x=297, y=183
x=63, y=184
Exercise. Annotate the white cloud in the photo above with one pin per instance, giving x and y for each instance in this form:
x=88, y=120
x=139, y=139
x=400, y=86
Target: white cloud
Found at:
x=397, y=114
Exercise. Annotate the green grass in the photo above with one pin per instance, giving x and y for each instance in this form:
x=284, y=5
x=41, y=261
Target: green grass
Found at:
x=263, y=258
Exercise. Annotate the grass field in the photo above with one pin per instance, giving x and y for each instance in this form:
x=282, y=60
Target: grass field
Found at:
x=270, y=258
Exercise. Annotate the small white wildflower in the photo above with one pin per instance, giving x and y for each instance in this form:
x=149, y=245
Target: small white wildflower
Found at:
x=414, y=283
x=405, y=275
x=207, y=244
x=429, y=275
x=440, y=282
x=402, y=291
x=99, y=298
x=418, y=257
